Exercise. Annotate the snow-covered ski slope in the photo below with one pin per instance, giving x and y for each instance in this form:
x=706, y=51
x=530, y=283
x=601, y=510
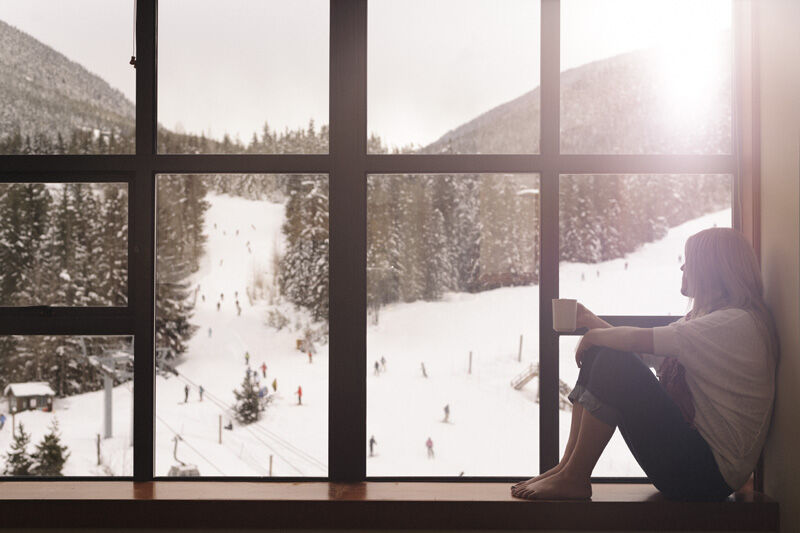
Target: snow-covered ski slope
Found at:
x=493, y=429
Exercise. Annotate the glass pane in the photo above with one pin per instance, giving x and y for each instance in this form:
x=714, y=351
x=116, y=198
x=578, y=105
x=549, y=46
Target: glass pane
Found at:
x=449, y=76
x=242, y=325
x=65, y=95
x=453, y=300
x=67, y=407
x=243, y=76
x=622, y=237
x=616, y=460
x=646, y=76
x=64, y=244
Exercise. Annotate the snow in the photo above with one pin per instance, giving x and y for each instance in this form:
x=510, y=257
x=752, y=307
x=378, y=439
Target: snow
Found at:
x=493, y=429
x=33, y=388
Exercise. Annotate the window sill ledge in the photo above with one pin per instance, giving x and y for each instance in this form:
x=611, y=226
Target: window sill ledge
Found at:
x=370, y=505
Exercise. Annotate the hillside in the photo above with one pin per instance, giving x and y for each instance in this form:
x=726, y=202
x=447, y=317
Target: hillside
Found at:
x=43, y=91
x=607, y=106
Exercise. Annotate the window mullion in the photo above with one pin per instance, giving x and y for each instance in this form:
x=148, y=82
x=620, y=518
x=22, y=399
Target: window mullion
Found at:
x=142, y=231
x=348, y=243
x=548, y=282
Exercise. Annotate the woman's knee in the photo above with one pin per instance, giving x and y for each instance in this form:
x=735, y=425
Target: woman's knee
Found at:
x=612, y=361
x=613, y=370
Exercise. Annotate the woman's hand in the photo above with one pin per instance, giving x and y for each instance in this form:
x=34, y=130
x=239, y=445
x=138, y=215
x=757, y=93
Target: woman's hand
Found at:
x=586, y=319
x=587, y=341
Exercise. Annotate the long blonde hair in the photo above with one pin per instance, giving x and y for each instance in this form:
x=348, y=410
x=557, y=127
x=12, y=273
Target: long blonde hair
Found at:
x=721, y=272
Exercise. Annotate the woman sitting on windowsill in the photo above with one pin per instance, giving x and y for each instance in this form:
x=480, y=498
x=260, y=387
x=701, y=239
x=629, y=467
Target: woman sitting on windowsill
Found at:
x=699, y=432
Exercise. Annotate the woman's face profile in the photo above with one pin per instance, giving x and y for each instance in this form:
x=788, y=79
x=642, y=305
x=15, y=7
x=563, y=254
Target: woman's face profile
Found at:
x=684, y=281
x=684, y=284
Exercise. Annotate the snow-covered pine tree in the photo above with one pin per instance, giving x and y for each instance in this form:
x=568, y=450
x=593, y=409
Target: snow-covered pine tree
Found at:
x=18, y=461
x=247, y=405
x=304, y=275
x=50, y=456
x=467, y=231
x=175, y=261
x=438, y=271
x=23, y=223
x=382, y=244
x=409, y=222
x=113, y=261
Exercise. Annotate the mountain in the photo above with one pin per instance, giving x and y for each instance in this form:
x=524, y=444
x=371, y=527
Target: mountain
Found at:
x=41, y=90
x=614, y=105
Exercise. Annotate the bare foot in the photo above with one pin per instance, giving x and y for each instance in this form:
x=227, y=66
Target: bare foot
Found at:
x=559, y=486
x=555, y=470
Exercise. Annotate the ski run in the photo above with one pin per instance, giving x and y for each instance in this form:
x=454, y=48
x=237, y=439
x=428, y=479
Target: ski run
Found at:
x=491, y=428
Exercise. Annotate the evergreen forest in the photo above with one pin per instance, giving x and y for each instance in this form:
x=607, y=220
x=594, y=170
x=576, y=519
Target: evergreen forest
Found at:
x=67, y=245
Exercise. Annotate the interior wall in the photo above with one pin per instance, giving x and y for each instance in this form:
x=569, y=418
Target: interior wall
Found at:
x=778, y=21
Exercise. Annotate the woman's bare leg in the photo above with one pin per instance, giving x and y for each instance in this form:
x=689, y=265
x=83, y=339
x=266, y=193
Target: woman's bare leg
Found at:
x=573, y=480
x=574, y=429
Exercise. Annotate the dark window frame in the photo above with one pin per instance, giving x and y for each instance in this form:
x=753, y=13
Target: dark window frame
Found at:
x=347, y=165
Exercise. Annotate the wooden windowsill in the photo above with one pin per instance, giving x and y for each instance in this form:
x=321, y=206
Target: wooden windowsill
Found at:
x=370, y=505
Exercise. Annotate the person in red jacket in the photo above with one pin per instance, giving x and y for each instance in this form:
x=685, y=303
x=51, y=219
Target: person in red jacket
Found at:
x=299, y=395
x=429, y=446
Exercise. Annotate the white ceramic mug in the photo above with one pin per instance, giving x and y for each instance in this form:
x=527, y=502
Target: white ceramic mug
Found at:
x=565, y=311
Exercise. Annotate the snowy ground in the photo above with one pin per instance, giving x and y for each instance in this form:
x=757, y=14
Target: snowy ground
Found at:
x=493, y=429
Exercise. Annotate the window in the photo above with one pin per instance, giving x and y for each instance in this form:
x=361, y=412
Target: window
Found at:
x=361, y=263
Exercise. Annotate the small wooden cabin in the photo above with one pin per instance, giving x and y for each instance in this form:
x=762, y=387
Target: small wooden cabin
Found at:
x=31, y=395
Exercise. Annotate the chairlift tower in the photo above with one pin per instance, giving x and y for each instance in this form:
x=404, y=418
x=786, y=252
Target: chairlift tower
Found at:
x=113, y=364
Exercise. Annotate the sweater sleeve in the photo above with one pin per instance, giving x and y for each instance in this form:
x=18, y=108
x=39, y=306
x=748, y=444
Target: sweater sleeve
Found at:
x=709, y=344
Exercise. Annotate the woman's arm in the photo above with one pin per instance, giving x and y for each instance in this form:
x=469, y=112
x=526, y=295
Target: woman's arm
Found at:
x=625, y=338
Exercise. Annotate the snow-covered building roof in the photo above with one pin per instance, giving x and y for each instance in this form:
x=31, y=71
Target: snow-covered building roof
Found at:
x=32, y=388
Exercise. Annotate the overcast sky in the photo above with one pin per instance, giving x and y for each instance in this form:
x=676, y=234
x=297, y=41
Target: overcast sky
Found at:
x=433, y=64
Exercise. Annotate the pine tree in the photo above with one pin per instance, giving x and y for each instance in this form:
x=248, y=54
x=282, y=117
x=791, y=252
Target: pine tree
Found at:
x=247, y=404
x=50, y=455
x=18, y=461
x=304, y=274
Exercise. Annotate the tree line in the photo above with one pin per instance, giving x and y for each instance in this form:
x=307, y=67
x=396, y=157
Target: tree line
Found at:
x=426, y=234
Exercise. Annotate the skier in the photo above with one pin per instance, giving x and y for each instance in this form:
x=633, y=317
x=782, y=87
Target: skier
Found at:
x=229, y=427
x=598, y=273
x=238, y=310
x=309, y=357
x=429, y=445
x=275, y=385
x=377, y=368
x=203, y=296
x=626, y=265
x=446, y=413
x=201, y=390
x=583, y=276
x=237, y=232
x=236, y=295
x=2, y=420
x=247, y=358
x=185, y=393
x=217, y=306
x=372, y=443
x=209, y=332
x=424, y=373
x=680, y=258
x=263, y=369
x=383, y=364
x=215, y=225
x=299, y=395
x=221, y=296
